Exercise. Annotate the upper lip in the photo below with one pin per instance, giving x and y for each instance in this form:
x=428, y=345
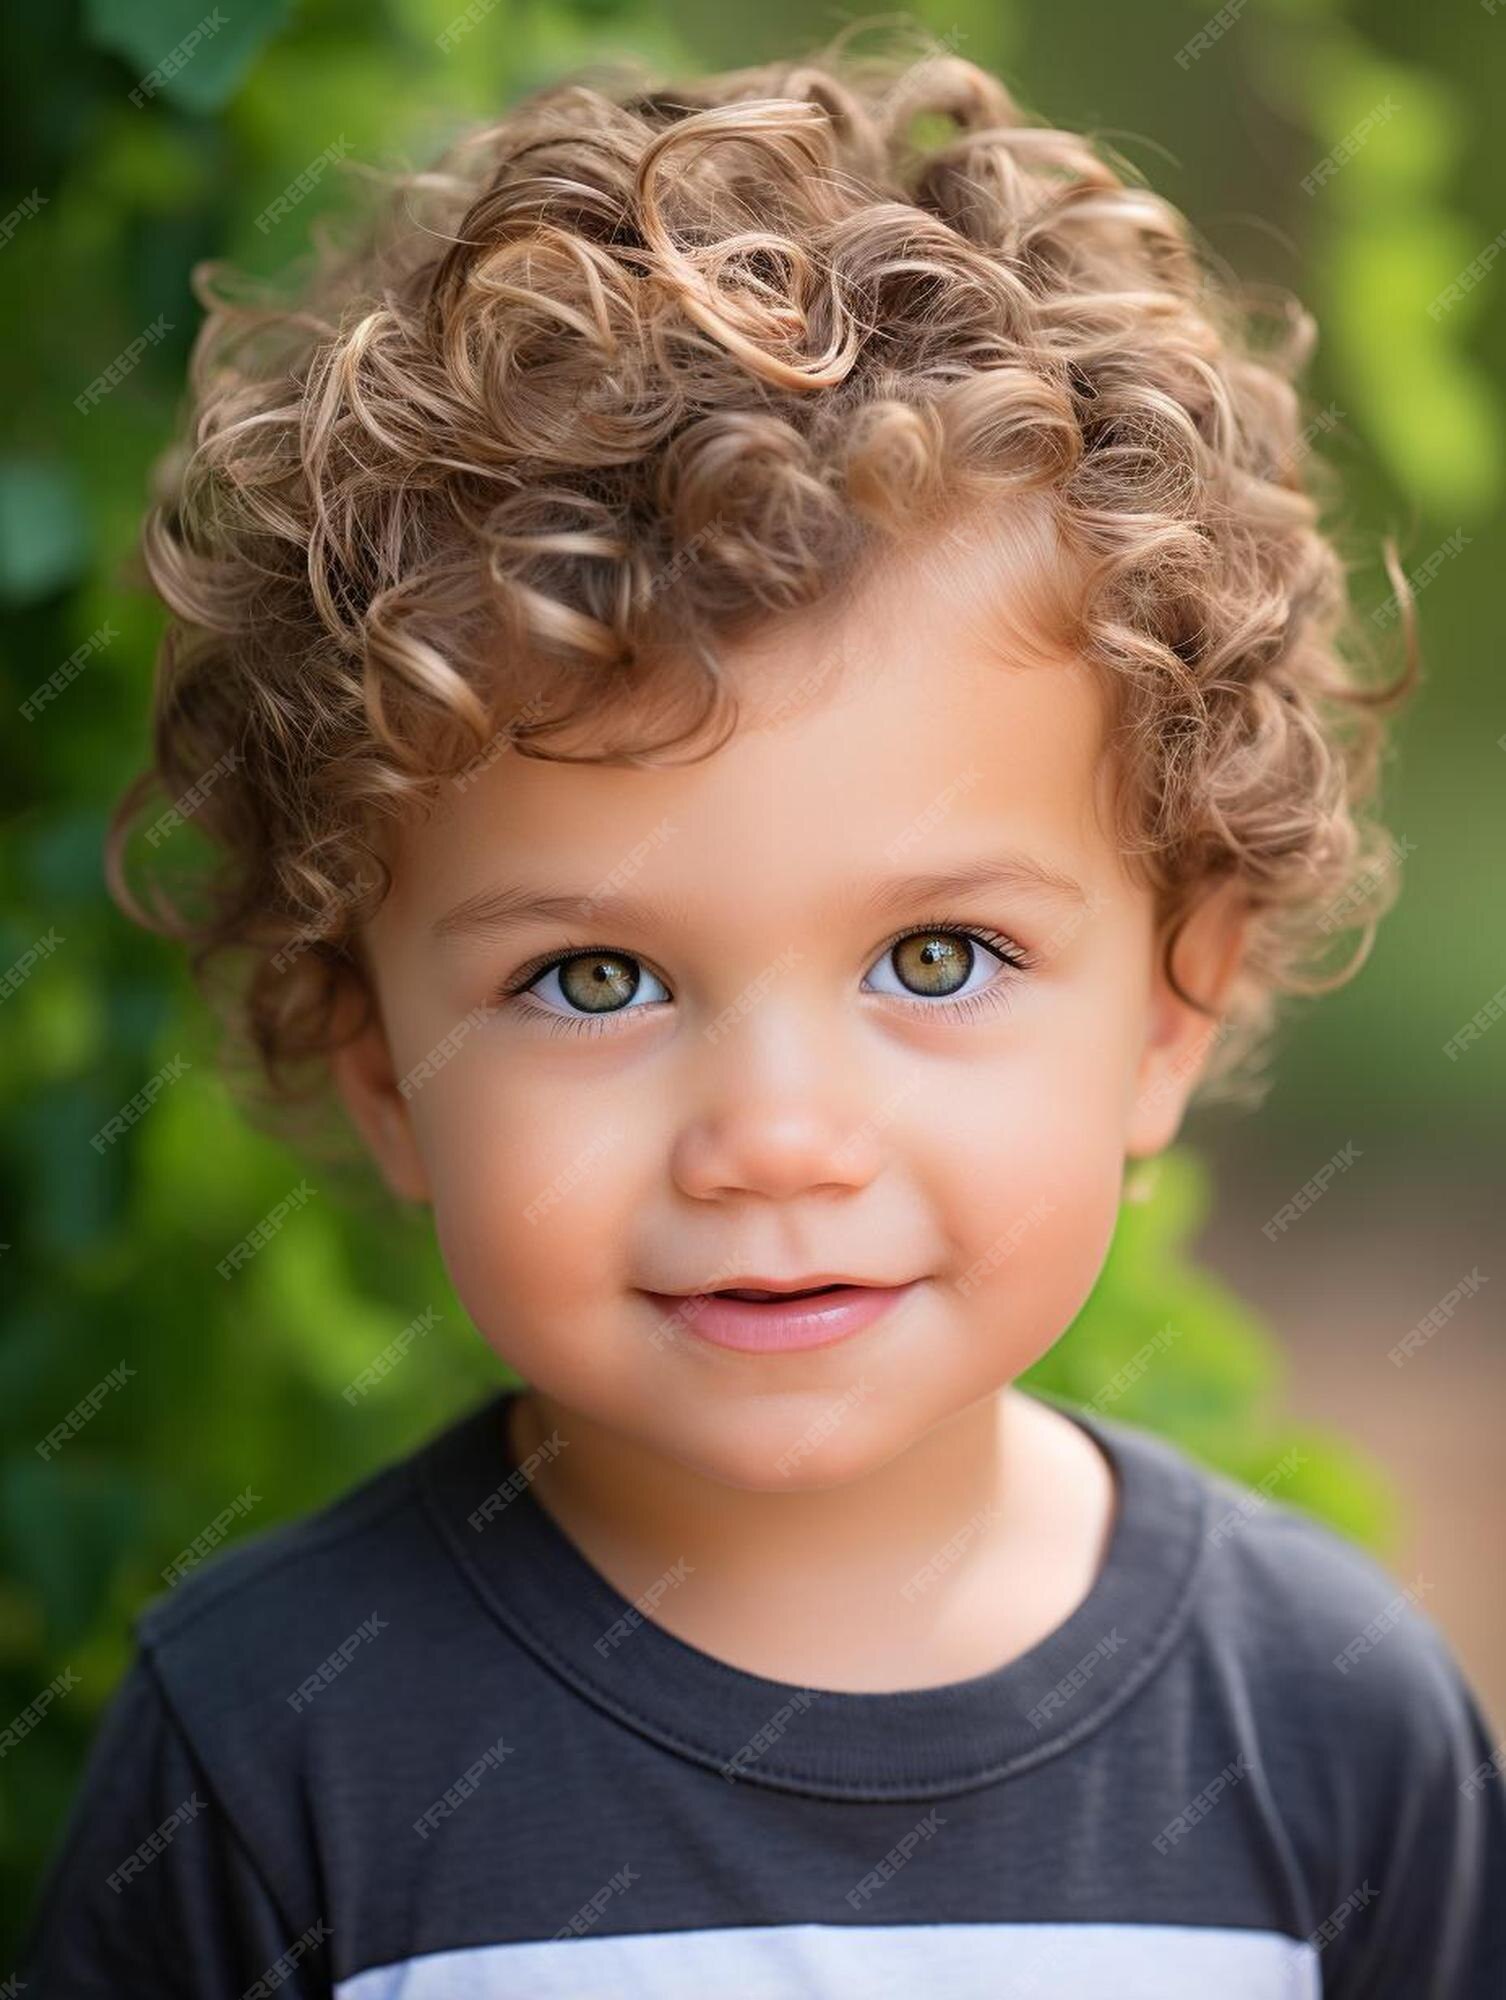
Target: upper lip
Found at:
x=782, y=1284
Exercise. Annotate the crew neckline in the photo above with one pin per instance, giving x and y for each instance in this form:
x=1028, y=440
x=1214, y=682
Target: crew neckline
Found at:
x=833, y=1743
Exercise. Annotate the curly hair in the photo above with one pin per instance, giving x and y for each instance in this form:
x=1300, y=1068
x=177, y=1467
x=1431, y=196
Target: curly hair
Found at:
x=638, y=368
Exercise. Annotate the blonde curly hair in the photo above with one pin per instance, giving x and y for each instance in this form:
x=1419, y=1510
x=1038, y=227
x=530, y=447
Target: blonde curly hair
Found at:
x=636, y=369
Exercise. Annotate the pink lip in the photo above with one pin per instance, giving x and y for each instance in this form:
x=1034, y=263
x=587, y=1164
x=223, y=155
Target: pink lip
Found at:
x=779, y=1328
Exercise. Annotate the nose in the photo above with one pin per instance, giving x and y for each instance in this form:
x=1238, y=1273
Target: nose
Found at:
x=778, y=1112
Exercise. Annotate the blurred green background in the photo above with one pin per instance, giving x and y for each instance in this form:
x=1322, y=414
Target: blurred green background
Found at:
x=109, y=1256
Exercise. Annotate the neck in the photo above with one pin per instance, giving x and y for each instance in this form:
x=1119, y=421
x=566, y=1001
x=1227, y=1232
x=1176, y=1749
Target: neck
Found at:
x=999, y=1504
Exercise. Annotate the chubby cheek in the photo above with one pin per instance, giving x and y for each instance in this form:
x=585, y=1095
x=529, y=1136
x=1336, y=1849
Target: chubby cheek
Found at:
x=1031, y=1192
x=533, y=1199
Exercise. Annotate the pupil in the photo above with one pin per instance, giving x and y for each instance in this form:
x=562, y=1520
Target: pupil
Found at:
x=941, y=963
x=598, y=983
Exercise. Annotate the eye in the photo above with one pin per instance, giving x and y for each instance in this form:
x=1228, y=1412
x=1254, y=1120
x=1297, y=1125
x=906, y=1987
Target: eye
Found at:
x=586, y=984
x=950, y=966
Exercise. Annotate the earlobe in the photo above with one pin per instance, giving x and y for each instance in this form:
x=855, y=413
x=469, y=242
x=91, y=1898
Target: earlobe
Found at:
x=363, y=1072
x=1180, y=1037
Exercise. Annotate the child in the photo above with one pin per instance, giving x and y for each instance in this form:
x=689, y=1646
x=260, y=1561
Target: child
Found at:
x=860, y=609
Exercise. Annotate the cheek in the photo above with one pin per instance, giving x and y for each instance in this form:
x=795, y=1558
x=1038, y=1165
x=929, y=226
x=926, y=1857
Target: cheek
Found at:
x=533, y=1193
x=1033, y=1182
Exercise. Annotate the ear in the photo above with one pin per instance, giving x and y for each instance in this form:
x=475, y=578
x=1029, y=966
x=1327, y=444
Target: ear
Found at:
x=1179, y=1039
x=362, y=1067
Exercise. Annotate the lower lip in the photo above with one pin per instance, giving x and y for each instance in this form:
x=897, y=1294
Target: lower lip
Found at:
x=782, y=1329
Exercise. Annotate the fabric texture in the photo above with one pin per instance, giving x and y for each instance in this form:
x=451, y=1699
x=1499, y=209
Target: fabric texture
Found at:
x=415, y=1745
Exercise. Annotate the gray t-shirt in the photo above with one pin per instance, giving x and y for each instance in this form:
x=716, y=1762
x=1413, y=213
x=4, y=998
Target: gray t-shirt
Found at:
x=416, y=1746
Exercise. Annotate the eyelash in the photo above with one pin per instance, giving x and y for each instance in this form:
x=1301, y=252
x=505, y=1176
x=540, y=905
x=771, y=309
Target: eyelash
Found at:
x=1016, y=959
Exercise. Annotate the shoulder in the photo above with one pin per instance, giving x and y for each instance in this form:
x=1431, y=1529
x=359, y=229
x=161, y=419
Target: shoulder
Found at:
x=275, y=1570
x=278, y=1652
x=1333, y=1653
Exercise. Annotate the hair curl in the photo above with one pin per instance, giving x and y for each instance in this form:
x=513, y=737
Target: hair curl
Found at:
x=635, y=369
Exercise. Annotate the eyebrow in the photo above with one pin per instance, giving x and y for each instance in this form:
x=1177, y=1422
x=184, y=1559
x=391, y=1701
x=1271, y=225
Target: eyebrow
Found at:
x=492, y=912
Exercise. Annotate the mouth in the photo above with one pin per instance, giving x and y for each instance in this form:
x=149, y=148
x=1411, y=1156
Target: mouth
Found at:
x=759, y=1289
x=762, y=1319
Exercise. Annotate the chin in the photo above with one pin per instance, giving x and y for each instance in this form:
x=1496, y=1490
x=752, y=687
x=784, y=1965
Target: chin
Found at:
x=801, y=1441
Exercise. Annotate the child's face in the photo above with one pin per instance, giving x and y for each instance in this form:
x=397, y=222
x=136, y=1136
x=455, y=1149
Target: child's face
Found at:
x=781, y=1094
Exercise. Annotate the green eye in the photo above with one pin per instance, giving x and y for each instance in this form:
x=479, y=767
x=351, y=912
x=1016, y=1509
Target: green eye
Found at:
x=592, y=983
x=598, y=982
x=949, y=963
x=934, y=965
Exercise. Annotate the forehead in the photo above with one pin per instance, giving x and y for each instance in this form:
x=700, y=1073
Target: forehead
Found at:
x=932, y=715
